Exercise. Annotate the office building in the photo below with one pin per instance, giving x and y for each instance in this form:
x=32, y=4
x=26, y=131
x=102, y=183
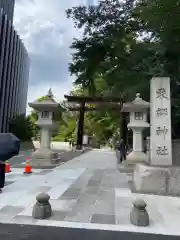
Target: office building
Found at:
x=14, y=68
x=8, y=8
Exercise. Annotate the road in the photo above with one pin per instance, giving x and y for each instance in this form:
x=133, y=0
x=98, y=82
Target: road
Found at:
x=18, y=232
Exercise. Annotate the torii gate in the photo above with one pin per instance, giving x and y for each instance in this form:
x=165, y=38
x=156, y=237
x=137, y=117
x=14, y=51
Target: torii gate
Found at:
x=114, y=102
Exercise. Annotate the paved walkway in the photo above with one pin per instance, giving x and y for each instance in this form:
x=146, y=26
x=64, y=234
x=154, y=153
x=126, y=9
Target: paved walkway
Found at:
x=86, y=192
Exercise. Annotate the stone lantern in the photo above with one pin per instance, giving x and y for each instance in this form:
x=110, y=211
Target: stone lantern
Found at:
x=48, y=115
x=138, y=110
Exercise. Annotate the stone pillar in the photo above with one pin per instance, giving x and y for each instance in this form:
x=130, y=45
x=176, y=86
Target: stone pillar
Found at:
x=45, y=138
x=156, y=179
x=44, y=156
x=161, y=146
x=137, y=140
x=137, y=155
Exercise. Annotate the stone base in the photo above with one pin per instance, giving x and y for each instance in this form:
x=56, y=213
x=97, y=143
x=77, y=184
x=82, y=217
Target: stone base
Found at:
x=45, y=157
x=147, y=179
x=157, y=180
x=136, y=157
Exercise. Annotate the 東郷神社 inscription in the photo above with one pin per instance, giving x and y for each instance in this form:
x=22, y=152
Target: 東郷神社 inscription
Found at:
x=161, y=152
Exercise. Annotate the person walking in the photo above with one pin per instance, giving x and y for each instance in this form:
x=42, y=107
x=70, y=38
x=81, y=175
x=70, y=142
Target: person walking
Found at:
x=2, y=175
x=122, y=148
x=70, y=143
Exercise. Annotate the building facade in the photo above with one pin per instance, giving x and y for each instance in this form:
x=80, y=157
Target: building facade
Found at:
x=14, y=69
x=8, y=8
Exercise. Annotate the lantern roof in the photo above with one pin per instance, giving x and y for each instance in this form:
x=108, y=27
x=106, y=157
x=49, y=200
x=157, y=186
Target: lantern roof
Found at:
x=136, y=105
x=46, y=103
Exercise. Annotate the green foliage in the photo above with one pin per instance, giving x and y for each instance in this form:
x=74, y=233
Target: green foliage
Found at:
x=109, y=48
x=22, y=127
x=46, y=97
x=101, y=124
x=128, y=43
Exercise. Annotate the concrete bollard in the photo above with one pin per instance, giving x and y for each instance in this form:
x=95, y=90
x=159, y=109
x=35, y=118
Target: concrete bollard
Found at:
x=42, y=208
x=139, y=216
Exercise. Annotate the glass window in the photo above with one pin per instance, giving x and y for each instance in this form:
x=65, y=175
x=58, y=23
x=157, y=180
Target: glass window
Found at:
x=138, y=116
x=45, y=114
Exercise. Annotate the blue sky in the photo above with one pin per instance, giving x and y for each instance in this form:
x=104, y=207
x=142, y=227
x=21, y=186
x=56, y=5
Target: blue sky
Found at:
x=47, y=35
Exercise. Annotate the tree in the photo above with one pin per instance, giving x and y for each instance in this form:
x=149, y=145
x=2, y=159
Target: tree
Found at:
x=128, y=43
x=100, y=123
x=160, y=19
x=22, y=127
x=110, y=48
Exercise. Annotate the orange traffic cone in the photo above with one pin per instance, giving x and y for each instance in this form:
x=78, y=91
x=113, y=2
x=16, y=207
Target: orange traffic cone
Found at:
x=27, y=169
x=8, y=167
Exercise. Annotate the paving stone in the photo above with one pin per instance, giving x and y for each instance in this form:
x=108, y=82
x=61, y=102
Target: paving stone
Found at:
x=10, y=176
x=110, y=172
x=76, y=210
x=83, y=216
x=154, y=215
x=62, y=205
x=80, y=184
x=103, y=219
x=122, y=217
x=126, y=170
x=24, y=220
x=10, y=211
x=43, y=172
x=91, y=190
x=97, y=176
x=39, y=189
x=106, y=195
x=27, y=212
x=123, y=202
x=108, y=181
x=80, y=213
x=93, y=182
x=129, y=174
x=120, y=184
x=107, y=187
x=77, y=187
x=71, y=193
x=104, y=207
x=8, y=183
x=58, y=215
x=88, y=199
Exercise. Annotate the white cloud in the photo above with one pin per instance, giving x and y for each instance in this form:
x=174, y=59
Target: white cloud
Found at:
x=47, y=34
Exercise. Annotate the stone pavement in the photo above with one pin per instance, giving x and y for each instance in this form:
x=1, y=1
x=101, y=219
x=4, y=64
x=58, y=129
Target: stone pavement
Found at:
x=87, y=192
